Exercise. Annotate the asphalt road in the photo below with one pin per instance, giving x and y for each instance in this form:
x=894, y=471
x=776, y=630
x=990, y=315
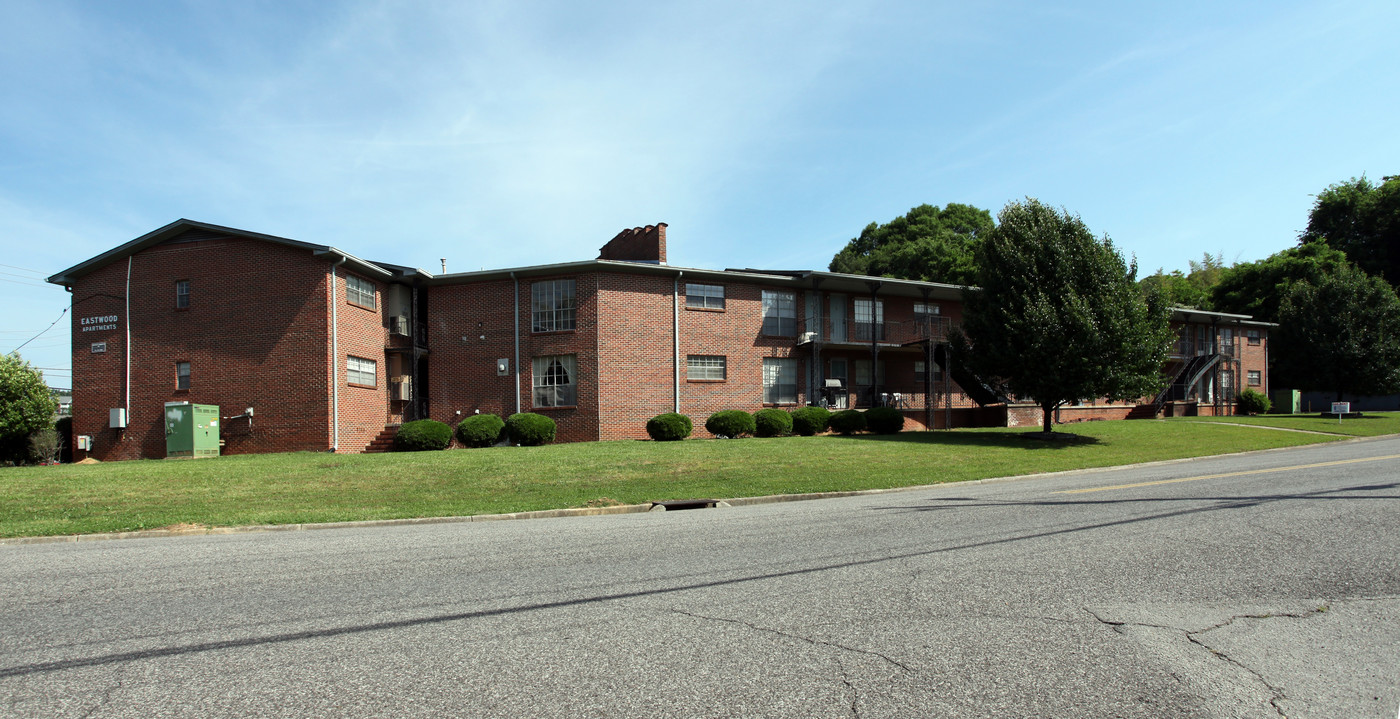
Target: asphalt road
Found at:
x=1259, y=585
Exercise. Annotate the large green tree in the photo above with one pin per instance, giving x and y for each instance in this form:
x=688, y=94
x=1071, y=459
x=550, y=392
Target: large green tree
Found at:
x=1361, y=219
x=26, y=405
x=1191, y=289
x=1057, y=315
x=1340, y=333
x=928, y=243
x=1256, y=288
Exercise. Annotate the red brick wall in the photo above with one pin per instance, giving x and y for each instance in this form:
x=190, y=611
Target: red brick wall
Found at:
x=255, y=335
x=462, y=365
x=361, y=332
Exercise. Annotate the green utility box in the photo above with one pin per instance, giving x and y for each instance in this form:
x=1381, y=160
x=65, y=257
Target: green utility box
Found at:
x=191, y=430
x=1286, y=401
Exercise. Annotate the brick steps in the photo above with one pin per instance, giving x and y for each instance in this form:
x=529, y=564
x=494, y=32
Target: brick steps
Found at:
x=1145, y=411
x=384, y=441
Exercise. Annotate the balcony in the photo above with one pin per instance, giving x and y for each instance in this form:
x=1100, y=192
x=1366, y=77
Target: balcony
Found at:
x=882, y=333
x=1182, y=349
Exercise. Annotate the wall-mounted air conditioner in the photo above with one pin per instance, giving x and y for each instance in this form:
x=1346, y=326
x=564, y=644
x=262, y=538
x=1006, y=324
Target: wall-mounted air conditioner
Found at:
x=398, y=325
x=401, y=388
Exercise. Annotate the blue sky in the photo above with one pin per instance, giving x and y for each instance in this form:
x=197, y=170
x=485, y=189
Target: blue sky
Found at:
x=766, y=134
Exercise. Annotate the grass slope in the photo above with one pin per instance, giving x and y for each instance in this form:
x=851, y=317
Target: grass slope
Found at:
x=314, y=487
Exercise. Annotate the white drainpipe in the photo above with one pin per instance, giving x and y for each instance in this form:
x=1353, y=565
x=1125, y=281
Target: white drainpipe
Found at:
x=335, y=361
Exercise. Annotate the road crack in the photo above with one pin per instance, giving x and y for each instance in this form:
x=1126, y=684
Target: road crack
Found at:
x=799, y=637
x=1195, y=638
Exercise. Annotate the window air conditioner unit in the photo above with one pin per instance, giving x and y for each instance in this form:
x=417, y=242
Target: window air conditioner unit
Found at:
x=807, y=338
x=401, y=388
x=398, y=325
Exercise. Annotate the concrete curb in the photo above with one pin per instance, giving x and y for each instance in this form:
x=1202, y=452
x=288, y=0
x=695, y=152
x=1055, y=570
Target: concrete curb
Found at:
x=598, y=511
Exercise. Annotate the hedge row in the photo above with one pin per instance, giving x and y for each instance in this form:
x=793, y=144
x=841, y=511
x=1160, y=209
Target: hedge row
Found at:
x=773, y=422
x=526, y=429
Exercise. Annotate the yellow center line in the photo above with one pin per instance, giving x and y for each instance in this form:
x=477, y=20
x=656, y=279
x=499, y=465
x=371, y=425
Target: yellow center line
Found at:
x=1227, y=474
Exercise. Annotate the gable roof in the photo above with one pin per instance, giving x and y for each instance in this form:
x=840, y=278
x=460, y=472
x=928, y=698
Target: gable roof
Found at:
x=181, y=226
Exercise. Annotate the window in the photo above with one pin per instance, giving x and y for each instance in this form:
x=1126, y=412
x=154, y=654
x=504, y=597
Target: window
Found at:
x=182, y=294
x=556, y=381
x=921, y=372
x=704, y=367
x=1252, y=336
x=779, y=380
x=552, y=306
x=779, y=313
x=359, y=292
x=1254, y=379
x=359, y=370
x=924, y=310
x=862, y=369
x=182, y=375
x=870, y=320
x=704, y=297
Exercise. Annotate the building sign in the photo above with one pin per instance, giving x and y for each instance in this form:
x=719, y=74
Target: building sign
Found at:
x=99, y=347
x=98, y=323
x=1341, y=408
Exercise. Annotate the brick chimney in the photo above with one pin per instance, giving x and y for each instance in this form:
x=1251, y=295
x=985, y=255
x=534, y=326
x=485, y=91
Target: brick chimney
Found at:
x=639, y=244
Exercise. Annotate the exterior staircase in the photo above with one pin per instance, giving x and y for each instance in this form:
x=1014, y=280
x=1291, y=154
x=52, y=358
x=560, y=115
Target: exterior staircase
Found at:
x=384, y=441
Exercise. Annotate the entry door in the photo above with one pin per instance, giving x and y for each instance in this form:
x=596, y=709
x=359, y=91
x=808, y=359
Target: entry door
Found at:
x=838, y=318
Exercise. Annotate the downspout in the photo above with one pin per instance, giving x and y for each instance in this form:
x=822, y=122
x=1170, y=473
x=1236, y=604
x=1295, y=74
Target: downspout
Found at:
x=126, y=405
x=676, y=340
x=335, y=360
x=516, y=280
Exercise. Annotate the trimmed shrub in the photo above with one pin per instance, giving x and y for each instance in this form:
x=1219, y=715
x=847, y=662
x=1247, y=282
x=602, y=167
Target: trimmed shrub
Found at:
x=772, y=422
x=480, y=430
x=1253, y=402
x=808, y=421
x=669, y=427
x=847, y=421
x=884, y=420
x=528, y=429
x=422, y=435
x=730, y=423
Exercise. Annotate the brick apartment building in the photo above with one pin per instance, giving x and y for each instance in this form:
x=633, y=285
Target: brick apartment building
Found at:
x=306, y=347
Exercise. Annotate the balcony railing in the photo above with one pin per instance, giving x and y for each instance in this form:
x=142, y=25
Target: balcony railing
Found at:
x=887, y=333
x=1191, y=348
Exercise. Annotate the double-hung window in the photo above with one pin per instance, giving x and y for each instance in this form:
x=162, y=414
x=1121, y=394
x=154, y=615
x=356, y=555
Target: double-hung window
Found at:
x=182, y=375
x=870, y=320
x=705, y=367
x=182, y=294
x=555, y=379
x=1252, y=337
x=779, y=380
x=704, y=297
x=921, y=372
x=1254, y=378
x=553, y=306
x=924, y=310
x=359, y=370
x=779, y=313
x=359, y=291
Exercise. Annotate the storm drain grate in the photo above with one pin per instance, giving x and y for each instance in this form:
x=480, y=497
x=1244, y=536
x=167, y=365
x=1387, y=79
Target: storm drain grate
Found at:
x=675, y=505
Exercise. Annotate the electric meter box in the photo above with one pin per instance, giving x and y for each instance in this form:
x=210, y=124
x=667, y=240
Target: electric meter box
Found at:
x=191, y=430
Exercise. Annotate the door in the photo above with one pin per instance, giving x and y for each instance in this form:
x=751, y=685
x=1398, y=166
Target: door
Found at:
x=838, y=318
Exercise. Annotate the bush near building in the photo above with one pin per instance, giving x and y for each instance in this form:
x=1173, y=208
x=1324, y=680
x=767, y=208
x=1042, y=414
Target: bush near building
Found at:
x=884, y=420
x=480, y=430
x=730, y=424
x=772, y=422
x=848, y=421
x=1253, y=402
x=528, y=429
x=669, y=427
x=810, y=420
x=422, y=435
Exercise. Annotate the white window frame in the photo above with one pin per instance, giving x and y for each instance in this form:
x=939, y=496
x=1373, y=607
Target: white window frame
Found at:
x=360, y=292
x=1254, y=378
x=873, y=324
x=553, y=305
x=554, y=379
x=708, y=368
x=1251, y=337
x=182, y=294
x=779, y=313
x=182, y=375
x=358, y=369
x=779, y=380
x=931, y=309
x=704, y=297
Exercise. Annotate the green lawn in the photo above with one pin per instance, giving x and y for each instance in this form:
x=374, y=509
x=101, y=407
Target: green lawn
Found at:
x=1372, y=424
x=313, y=487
